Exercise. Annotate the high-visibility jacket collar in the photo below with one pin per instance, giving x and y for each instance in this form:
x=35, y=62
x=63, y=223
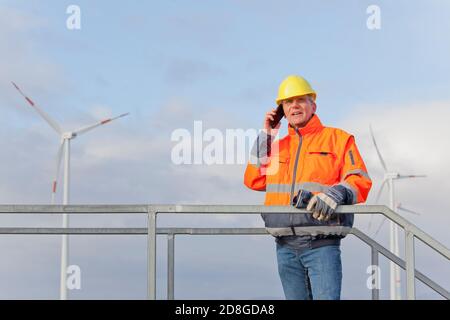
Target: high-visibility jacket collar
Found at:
x=312, y=126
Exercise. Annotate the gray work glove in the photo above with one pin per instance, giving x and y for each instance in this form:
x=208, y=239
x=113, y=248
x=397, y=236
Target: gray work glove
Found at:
x=323, y=205
x=302, y=198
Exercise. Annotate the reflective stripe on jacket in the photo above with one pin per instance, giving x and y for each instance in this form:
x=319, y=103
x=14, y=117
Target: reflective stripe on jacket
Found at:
x=312, y=158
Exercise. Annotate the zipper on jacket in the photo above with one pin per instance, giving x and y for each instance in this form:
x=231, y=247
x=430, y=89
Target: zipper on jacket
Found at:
x=291, y=216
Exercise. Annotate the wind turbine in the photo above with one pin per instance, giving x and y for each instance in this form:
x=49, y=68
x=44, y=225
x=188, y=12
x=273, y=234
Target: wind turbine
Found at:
x=399, y=207
x=64, y=148
x=389, y=178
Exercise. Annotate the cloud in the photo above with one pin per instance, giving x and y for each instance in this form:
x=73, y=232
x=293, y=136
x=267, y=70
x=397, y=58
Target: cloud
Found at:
x=412, y=140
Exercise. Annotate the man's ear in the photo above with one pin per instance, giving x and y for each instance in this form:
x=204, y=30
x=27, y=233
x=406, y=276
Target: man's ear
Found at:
x=314, y=107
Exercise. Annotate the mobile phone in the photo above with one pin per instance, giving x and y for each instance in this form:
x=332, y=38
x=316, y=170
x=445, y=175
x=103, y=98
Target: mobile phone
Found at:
x=278, y=116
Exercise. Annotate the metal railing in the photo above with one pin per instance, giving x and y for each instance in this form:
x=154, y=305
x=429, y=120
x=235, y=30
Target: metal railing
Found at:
x=411, y=232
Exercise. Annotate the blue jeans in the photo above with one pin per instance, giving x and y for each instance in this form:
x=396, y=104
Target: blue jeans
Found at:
x=311, y=274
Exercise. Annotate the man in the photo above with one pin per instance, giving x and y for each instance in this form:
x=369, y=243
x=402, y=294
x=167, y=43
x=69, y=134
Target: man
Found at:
x=313, y=167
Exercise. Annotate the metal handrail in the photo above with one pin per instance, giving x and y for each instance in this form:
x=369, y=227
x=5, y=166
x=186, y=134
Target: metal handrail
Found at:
x=411, y=232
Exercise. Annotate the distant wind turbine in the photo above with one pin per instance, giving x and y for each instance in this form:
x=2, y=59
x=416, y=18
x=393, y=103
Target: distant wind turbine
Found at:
x=389, y=178
x=399, y=207
x=64, y=148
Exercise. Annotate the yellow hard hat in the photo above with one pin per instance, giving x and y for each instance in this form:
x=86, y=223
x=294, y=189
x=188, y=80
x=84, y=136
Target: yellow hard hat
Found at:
x=294, y=86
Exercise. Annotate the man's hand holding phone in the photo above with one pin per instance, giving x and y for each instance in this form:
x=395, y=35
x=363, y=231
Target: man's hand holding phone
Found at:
x=272, y=120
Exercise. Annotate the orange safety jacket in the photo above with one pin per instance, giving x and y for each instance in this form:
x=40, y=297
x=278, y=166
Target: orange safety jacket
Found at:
x=312, y=158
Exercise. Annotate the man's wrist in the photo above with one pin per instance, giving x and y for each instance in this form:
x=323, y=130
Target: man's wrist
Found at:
x=340, y=194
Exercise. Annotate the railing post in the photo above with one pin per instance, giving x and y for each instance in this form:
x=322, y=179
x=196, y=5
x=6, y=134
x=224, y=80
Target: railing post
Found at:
x=151, y=255
x=410, y=265
x=170, y=265
x=376, y=268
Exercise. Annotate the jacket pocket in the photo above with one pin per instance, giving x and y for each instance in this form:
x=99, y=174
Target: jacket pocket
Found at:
x=324, y=153
x=278, y=169
x=321, y=166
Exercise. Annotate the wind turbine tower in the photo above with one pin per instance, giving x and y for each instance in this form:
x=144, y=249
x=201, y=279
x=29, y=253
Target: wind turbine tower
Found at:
x=389, y=178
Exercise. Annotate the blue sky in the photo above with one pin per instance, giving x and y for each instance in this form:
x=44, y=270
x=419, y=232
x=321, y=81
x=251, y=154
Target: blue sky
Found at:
x=172, y=62
x=233, y=54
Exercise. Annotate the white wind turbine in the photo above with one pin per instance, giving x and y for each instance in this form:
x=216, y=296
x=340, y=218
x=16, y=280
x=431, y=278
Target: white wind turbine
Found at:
x=66, y=137
x=389, y=177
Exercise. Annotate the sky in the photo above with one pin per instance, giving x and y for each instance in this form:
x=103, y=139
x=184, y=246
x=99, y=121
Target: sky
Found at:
x=172, y=63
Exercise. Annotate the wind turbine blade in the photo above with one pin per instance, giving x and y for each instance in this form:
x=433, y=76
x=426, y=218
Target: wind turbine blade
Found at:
x=379, y=227
x=369, y=226
x=383, y=184
x=408, y=210
x=378, y=151
x=407, y=176
x=44, y=115
x=97, y=124
x=380, y=191
x=378, y=197
x=58, y=165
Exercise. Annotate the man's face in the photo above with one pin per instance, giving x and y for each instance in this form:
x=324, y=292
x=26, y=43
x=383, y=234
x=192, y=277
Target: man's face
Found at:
x=299, y=110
